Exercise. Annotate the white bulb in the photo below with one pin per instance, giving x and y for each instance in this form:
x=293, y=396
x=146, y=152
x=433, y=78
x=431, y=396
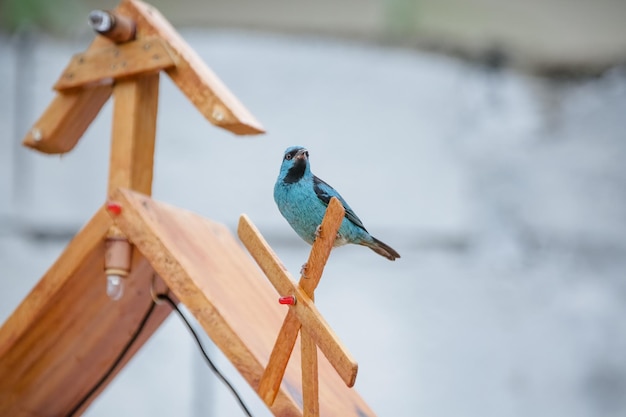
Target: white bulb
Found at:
x=115, y=286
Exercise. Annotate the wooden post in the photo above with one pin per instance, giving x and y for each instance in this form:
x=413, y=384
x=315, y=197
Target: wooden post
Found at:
x=133, y=137
x=310, y=383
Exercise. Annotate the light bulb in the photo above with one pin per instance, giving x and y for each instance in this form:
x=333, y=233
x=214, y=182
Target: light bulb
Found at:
x=115, y=286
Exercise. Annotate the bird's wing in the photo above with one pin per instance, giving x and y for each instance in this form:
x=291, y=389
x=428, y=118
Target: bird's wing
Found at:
x=325, y=192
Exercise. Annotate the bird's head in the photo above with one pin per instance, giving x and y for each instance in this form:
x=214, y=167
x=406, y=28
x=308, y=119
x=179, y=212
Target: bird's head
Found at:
x=295, y=164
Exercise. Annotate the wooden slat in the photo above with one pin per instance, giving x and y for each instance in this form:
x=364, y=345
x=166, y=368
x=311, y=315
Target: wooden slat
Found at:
x=218, y=282
x=66, y=333
x=69, y=115
x=310, y=377
x=133, y=133
x=66, y=119
x=150, y=54
x=192, y=76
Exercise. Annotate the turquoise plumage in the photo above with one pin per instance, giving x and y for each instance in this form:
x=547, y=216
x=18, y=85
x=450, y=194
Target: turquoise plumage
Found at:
x=302, y=199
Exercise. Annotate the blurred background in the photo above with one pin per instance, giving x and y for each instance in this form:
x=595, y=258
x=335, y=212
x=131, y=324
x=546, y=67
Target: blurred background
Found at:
x=484, y=140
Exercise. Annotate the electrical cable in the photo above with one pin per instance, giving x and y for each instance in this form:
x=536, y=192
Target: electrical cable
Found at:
x=221, y=377
x=131, y=341
x=118, y=360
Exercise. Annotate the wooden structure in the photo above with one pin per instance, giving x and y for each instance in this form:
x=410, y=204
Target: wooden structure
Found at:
x=67, y=332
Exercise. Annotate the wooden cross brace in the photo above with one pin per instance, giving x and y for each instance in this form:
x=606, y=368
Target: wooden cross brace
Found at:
x=302, y=313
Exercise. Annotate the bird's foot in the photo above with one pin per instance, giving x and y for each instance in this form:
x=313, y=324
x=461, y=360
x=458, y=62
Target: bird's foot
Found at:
x=303, y=271
x=318, y=231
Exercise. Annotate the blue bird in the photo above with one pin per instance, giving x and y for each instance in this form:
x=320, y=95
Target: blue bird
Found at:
x=302, y=199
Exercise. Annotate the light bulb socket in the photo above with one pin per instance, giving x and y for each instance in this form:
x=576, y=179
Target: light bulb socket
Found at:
x=117, y=255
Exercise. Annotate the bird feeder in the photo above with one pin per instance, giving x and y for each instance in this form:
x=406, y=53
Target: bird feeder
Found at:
x=68, y=331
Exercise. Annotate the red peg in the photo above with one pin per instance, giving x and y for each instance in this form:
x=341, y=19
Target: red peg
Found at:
x=114, y=207
x=288, y=300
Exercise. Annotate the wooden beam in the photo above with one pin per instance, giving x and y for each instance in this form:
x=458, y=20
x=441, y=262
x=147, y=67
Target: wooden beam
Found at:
x=69, y=114
x=192, y=76
x=207, y=269
x=133, y=135
x=66, y=333
x=66, y=119
x=310, y=377
x=143, y=56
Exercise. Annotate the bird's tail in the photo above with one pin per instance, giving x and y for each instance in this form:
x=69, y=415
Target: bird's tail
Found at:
x=382, y=249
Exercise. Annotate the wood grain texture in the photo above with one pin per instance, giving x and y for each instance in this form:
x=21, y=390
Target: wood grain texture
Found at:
x=147, y=55
x=133, y=133
x=67, y=332
x=192, y=76
x=207, y=269
x=304, y=312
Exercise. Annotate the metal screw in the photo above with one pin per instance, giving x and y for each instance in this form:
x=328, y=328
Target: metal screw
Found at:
x=218, y=115
x=100, y=20
x=36, y=134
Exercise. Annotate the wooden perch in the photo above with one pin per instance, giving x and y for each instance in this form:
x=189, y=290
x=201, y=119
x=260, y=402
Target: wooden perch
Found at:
x=302, y=313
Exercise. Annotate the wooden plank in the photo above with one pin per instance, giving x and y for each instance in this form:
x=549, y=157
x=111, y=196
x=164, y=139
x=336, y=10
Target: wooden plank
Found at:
x=310, y=385
x=66, y=333
x=274, y=372
x=192, y=76
x=147, y=55
x=207, y=269
x=133, y=134
x=66, y=119
x=320, y=251
x=69, y=115
x=280, y=278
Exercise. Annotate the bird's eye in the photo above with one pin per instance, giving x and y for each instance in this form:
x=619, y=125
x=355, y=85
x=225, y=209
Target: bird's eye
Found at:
x=307, y=154
x=288, y=156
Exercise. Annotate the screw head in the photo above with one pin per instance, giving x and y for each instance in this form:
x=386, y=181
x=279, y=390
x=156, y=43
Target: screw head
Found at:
x=218, y=114
x=36, y=134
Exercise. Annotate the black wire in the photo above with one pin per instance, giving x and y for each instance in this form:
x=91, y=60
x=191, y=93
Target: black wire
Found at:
x=131, y=341
x=117, y=361
x=172, y=304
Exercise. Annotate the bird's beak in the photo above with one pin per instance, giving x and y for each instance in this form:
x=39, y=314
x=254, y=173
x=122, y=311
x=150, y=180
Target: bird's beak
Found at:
x=301, y=154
